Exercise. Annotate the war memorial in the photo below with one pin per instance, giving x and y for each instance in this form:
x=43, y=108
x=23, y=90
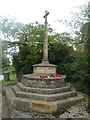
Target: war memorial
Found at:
x=44, y=90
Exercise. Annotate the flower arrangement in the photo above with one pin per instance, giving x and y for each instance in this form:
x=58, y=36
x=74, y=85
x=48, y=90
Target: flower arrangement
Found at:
x=51, y=76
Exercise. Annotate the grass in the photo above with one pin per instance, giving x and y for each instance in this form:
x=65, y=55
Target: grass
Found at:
x=10, y=82
x=12, y=76
x=13, y=80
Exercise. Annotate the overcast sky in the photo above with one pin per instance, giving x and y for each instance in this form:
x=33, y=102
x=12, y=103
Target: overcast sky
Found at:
x=28, y=11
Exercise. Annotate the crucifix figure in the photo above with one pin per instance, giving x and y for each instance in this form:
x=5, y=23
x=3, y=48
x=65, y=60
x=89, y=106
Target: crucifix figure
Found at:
x=45, y=44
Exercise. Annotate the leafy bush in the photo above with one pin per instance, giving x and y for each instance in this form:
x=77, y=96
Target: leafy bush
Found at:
x=72, y=63
x=25, y=59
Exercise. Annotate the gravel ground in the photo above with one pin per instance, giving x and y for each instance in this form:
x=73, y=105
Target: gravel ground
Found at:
x=77, y=111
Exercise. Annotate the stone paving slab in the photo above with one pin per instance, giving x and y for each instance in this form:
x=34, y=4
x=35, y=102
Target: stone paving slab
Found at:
x=0, y=87
x=0, y=106
x=1, y=78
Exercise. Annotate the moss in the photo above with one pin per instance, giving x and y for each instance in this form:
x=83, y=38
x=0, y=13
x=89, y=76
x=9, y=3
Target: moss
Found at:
x=24, y=110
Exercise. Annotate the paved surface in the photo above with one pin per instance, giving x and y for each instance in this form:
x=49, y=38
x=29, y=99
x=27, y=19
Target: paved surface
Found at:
x=5, y=109
x=1, y=78
x=0, y=99
x=0, y=87
x=0, y=106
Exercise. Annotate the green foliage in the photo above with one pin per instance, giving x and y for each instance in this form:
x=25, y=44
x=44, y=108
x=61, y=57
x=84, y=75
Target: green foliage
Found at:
x=74, y=64
x=25, y=59
x=10, y=82
x=34, y=32
x=30, y=53
x=77, y=71
x=64, y=38
x=61, y=55
x=81, y=40
x=9, y=27
x=5, y=63
x=78, y=26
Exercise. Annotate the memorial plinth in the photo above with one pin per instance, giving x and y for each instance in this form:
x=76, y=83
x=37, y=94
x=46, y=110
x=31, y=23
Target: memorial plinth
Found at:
x=44, y=69
x=46, y=95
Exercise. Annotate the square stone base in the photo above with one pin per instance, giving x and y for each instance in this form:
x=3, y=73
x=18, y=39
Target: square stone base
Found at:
x=44, y=69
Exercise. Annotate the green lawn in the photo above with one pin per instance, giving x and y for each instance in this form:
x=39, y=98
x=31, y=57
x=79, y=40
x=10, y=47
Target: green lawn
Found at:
x=13, y=80
x=12, y=76
x=10, y=82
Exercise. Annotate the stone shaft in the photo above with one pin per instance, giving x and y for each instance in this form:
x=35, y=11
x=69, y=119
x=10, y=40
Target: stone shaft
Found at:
x=45, y=44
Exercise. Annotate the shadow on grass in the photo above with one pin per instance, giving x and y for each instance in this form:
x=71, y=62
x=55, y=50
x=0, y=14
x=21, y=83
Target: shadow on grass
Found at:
x=10, y=82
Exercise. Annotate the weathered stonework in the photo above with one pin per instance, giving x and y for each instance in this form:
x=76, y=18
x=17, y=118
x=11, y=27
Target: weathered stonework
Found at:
x=37, y=82
x=43, y=106
x=44, y=90
x=30, y=104
x=44, y=69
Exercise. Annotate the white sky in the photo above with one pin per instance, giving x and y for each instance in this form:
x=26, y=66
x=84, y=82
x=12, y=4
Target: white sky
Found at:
x=28, y=11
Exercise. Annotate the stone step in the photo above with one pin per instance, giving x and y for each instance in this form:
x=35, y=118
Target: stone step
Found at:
x=59, y=105
x=43, y=90
x=16, y=102
x=68, y=102
x=43, y=97
x=32, y=80
x=38, y=105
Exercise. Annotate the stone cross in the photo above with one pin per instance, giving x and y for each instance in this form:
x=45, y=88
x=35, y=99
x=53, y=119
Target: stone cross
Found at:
x=45, y=44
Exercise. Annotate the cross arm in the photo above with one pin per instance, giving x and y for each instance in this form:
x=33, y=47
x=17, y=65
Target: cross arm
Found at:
x=46, y=14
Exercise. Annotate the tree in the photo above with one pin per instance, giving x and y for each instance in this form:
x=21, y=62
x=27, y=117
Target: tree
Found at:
x=64, y=38
x=78, y=26
x=9, y=27
x=30, y=49
x=62, y=55
x=78, y=71
x=25, y=59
